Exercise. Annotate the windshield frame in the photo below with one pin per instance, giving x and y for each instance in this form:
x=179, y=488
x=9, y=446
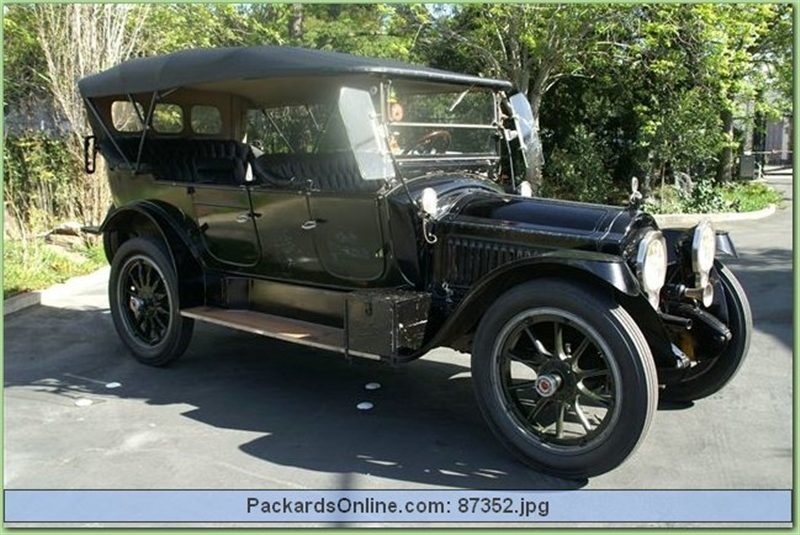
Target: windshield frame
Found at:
x=491, y=159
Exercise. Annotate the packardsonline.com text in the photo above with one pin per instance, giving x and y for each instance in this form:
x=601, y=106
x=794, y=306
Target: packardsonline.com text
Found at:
x=520, y=507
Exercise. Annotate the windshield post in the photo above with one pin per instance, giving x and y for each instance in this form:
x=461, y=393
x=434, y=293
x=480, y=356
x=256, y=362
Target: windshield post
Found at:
x=523, y=124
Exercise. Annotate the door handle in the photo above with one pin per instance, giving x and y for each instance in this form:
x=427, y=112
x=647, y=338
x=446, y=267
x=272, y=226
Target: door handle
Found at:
x=247, y=216
x=311, y=224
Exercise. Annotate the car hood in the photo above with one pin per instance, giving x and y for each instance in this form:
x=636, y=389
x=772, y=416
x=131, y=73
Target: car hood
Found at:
x=548, y=222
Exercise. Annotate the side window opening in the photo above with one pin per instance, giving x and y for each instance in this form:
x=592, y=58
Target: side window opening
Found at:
x=301, y=129
x=206, y=120
x=168, y=119
x=304, y=144
x=125, y=118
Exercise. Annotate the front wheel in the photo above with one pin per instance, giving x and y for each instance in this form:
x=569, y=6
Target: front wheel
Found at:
x=564, y=378
x=143, y=294
x=710, y=375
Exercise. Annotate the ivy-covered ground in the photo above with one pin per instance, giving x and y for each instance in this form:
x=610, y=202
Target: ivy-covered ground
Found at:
x=35, y=264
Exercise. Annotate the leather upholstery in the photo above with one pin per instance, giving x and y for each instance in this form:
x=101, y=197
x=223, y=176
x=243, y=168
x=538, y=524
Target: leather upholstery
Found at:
x=336, y=171
x=224, y=161
x=210, y=161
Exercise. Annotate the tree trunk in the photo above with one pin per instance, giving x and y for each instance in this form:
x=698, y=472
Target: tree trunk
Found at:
x=725, y=167
x=536, y=161
x=296, y=22
x=78, y=40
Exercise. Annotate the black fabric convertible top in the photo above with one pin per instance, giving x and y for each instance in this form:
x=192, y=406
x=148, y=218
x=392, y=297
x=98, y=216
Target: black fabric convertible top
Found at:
x=208, y=65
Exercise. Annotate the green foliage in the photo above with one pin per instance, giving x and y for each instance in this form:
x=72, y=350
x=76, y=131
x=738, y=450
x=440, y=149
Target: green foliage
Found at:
x=662, y=92
x=617, y=90
x=35, y=265
x=707, y=197
x=580, y=170
x=24, y=82
x=704, y=198
x=366, y=29
x=750, y=196
x=38, y=181
x=173, y=27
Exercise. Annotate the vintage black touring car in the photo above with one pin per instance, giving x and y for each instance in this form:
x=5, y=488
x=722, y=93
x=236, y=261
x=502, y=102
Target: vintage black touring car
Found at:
x=380, y=209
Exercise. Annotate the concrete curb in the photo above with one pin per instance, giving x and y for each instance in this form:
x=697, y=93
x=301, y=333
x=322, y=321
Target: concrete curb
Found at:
x=690, y=220
x=73, y=285
x=21, y=302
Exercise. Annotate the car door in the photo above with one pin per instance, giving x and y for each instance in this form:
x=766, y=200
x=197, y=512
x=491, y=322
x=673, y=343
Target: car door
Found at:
x=347, y=236
x=286, y=235
x=227, y=224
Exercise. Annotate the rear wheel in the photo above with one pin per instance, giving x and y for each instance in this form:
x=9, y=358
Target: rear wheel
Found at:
x=143, y=294
x=709, y=376
x=564, y=377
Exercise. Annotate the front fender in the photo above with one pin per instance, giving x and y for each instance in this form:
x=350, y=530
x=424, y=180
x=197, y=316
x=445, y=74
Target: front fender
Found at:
x=593, y=269
x=679, y=244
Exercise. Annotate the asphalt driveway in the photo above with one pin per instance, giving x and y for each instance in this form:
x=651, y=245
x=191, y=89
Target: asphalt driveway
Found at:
x=240, y=411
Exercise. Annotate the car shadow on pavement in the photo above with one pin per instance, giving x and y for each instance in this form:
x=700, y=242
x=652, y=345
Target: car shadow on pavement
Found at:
x=424, y=426
x=767, y=277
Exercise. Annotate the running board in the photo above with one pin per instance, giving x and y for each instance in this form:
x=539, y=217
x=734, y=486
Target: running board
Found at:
x=286, y=329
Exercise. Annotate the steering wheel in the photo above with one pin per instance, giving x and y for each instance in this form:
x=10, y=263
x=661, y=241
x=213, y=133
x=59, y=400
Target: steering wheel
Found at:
x=435, y=142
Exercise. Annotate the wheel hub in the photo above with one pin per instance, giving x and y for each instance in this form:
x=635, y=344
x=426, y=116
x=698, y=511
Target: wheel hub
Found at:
x=547, y=385
x=556, y=379
x=136, y=305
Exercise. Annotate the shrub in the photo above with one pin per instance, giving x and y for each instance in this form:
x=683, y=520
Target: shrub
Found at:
x=38, y=181
x=34, y=265
x=579, y=170
x=709, y=197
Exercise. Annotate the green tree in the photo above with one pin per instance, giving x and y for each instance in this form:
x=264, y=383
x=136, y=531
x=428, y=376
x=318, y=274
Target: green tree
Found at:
x=534, y=46
x=367, y=29
x=24, y=82
x=663, y=94
x=48, y=48
x=173, y=27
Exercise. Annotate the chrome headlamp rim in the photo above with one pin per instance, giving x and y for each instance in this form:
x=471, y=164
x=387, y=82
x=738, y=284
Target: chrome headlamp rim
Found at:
x=704, y=249
x=652, y=286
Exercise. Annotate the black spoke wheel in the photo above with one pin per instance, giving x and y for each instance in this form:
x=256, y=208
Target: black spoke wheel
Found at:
x=564, y=378
x=145, y=304
x=710, y=375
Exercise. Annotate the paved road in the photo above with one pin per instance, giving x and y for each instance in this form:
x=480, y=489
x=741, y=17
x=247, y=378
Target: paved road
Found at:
x=240, y=411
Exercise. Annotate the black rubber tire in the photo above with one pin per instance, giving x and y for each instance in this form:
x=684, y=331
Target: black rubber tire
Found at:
x=711, y=376
x=620, y=347
x=170, y=345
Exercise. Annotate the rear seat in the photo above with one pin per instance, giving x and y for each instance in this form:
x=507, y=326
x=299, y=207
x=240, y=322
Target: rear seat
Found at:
x=224, y=161
x=209, y=161
x=335, y=171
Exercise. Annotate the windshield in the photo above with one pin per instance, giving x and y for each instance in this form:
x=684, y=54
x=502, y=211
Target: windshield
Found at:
x=441, y=120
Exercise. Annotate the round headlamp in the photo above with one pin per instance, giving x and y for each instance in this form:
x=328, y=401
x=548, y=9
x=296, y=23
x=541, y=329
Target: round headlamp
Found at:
x=651, y=265
x=704, y=248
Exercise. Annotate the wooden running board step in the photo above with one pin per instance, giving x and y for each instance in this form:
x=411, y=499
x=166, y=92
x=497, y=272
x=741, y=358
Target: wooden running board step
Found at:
x=287, y=329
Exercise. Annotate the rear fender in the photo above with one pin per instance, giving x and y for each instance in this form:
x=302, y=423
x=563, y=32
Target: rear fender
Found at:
x=164, y=222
